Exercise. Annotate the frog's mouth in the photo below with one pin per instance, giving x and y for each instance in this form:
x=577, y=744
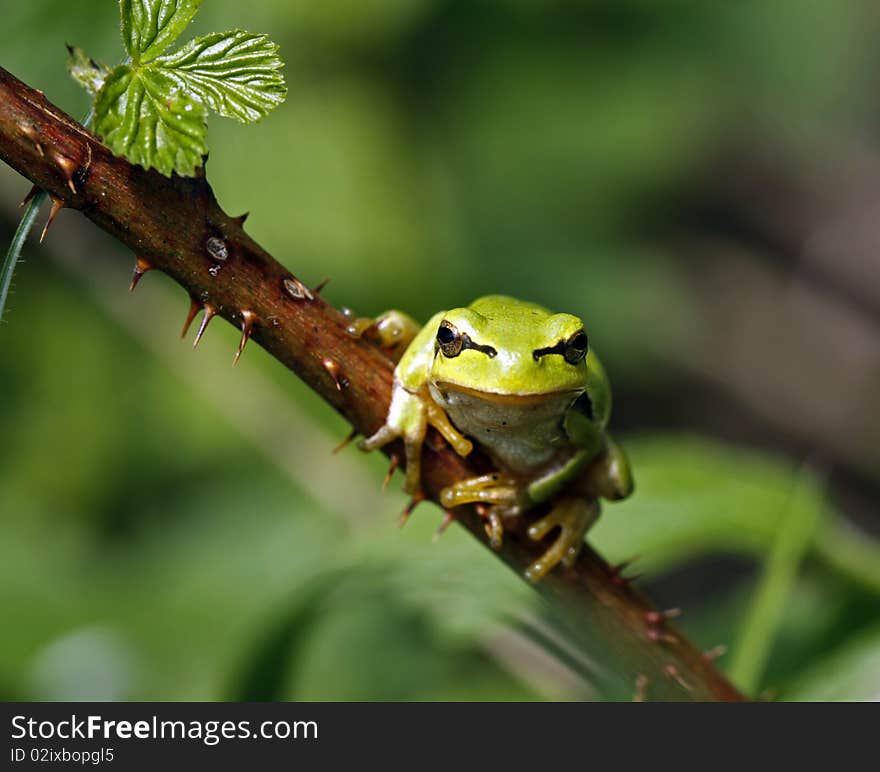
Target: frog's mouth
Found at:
x=566, y=396
x=523, y=430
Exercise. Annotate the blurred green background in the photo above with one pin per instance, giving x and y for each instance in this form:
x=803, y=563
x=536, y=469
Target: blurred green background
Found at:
x=699, y=181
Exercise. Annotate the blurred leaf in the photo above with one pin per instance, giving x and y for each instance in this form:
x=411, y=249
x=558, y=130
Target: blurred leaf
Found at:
x=695, y=496
x=796, y=531
x=850, y=673
x=13, y=253
x=268, y=667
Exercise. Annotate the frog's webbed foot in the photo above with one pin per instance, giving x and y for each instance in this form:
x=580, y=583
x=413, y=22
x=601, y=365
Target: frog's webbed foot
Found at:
x=499, y=494
x=494, y=488
x=573, y=516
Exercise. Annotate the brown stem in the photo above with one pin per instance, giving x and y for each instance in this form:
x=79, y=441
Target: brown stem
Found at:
x=176, y=226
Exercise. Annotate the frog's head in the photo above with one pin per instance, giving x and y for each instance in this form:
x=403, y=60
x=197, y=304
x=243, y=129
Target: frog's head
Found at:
x=503, y=347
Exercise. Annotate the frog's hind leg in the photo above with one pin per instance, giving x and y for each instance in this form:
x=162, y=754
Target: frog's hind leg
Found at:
x=573, y=516
x=393, y=331
x=609, y=476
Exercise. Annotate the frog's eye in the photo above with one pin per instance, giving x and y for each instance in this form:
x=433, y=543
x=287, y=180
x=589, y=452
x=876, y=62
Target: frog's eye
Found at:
x=576, y=347
x=572, y=350
x=449, y=339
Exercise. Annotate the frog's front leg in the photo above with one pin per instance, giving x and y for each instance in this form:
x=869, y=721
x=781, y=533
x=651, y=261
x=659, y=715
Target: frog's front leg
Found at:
x=573, y=517
x=409, y=415
x=407, y=419
x=412, y=408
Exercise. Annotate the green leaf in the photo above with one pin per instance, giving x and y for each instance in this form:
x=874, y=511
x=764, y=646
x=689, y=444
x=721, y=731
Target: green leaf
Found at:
x=143, y=115
x=150, y=26
x=151, y=109
x=237, y=74
x=85, y=70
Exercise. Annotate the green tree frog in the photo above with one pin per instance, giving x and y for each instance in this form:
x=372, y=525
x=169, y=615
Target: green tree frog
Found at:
x=523, y=383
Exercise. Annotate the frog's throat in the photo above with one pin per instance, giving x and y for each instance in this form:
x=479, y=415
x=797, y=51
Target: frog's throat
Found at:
x=504, y=398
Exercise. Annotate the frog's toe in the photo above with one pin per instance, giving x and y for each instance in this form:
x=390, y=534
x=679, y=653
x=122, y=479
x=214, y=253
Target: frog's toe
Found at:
x=494, y=529
x=573, y=517
x=493, y=488
x=412, y=482
x=379, y=439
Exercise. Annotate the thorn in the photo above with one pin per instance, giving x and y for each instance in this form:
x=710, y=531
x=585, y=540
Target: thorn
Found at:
x=395, y=462
x=210, y=311
x=140, y=268
x=332, y=367
x=68, y=167
x=321, y=285
x=715, y=652
x=194, y=308
x=31, y=193
x=349, y=437
x=31, y=133
x=619, y=568
x=672, y=672
x=655, y=635
x=617, y=572
x=296, y=289
x=240, y=220
x=659, y=617
x=247, y=327
x=408, y=509
x=624, y=581
x=448, y=517
x=641, y=692
x=57, y=206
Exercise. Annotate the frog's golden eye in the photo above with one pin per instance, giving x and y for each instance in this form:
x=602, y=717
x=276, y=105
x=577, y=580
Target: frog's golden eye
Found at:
x=576, y=347
x=572, y=350
x=449, y=339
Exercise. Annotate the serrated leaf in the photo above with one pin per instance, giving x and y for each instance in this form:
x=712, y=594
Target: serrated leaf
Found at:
x=145, y=116
x=150, y=26
x=85, y=70
x=237, y=74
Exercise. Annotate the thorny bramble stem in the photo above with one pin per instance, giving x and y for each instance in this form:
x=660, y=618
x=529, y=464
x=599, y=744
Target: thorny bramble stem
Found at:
x=176, y=226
